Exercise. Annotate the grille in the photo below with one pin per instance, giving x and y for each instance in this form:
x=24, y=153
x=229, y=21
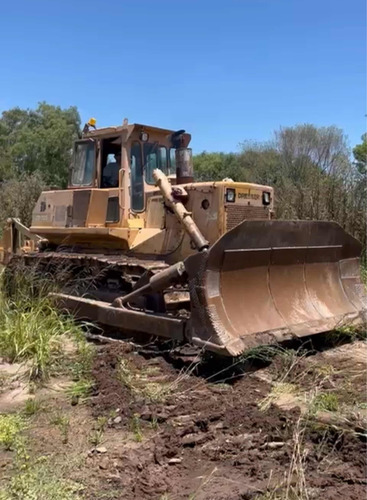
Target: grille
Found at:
x=238, y=213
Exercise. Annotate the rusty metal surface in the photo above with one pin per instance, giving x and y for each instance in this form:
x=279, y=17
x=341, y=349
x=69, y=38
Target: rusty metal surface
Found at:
x=113, y=260
x=125, y=319
x=268, y=281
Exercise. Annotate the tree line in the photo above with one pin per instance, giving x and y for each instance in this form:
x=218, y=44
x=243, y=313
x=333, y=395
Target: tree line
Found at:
x=35, y=154
x=313, y=170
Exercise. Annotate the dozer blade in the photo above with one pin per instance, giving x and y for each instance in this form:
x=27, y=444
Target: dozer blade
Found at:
x=268, y=281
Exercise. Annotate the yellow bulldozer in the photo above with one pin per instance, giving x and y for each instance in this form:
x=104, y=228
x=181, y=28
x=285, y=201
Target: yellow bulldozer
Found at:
x=149, y=250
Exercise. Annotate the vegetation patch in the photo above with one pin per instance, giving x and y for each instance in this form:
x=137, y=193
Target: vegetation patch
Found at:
x=325, y=401
x=32, y=406
x=37, y=481
x=32, y=330
x=279, y=389
x=10, y=427
x=80, y=390
x=96, y=435
x=140, y=385
x=136, y=427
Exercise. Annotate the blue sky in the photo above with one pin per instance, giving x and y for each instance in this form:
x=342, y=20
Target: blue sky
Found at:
x=226, y=71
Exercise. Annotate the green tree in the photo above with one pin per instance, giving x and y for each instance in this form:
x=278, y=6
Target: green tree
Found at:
x=38, y=140
x=360, y=155
x=359, y=183
x=216, y=166
x=310, y=169
x=18, y=197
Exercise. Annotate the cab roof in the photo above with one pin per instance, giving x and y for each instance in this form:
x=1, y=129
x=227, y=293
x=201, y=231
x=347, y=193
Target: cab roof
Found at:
x=129, y=128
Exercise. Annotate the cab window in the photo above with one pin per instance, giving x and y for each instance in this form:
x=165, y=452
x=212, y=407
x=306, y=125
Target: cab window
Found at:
x=83, y=169
x=155, y=156
x=172, y=160
x=137, y=178
x=110, y=162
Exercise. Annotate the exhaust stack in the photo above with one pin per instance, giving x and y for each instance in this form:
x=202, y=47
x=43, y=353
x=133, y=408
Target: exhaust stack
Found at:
x=184, y=166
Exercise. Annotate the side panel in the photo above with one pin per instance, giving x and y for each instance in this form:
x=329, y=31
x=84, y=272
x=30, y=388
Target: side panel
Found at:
x=81, y=200
x=51, y=209
x=97, y=212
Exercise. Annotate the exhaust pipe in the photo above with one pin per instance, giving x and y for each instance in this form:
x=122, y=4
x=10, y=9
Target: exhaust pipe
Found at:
x=184, y=166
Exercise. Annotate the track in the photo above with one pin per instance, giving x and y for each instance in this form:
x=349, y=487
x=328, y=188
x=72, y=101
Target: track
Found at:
x=100, y=278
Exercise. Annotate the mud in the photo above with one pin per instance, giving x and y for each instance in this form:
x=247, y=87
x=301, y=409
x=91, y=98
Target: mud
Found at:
x=211, y=441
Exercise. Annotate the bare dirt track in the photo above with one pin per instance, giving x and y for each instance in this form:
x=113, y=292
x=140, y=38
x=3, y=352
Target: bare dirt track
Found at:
x=158, y=425
x=212, y=441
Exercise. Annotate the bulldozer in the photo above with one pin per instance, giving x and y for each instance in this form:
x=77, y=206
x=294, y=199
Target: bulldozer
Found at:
x=199, y=262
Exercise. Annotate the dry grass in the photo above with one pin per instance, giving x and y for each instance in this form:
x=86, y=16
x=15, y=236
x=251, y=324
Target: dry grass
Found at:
x=294, y=486
x=145, y=383
x=31, y=329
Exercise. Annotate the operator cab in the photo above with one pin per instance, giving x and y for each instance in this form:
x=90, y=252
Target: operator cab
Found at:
x=122, y=159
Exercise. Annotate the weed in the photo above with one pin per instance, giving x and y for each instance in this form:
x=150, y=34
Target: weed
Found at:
x=152, y=370
x=38, y=482
x=345, y=334
x=136, y=427
x=102, y=422
x=153, y=391
x=324, y=370
x=156, y=392
x=154, y=423
x=63, y=423
x=277, y=390
x=96, y=435
x=261, y=353
x=81, y=367
x=10, y=427
x=31, y=480
x=80, y=390
x=126, y=376
x=32, y=387
x=32, y=406
x=325, y=401
x=31, y=330
x=3, y=379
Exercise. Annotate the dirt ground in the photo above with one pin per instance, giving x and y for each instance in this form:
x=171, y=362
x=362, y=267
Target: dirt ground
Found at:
x=162, y=427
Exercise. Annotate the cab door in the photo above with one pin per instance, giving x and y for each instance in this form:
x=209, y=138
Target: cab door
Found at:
x=83, y=169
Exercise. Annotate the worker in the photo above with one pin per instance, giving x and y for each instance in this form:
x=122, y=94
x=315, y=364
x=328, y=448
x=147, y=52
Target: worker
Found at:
x=110, y=176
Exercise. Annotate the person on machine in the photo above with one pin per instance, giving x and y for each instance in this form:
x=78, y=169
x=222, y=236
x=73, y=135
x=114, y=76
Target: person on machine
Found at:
x=110, y=176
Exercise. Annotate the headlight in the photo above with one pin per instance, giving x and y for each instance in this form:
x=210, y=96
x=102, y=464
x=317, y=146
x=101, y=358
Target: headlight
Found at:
x=230, y=195
x=266, y=198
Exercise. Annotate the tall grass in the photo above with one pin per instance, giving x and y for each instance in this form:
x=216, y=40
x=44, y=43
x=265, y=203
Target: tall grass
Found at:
x=30, y=327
